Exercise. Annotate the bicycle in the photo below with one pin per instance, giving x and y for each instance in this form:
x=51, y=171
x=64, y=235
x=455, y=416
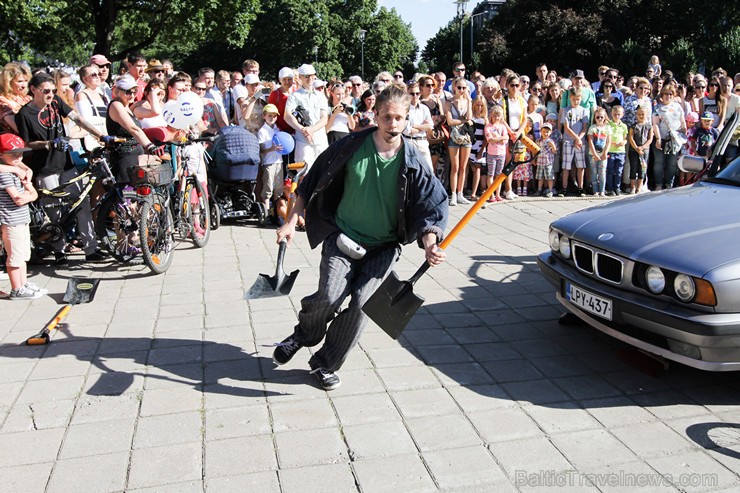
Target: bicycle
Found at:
x=191, y=209
x=156, y=227
x=109, y=209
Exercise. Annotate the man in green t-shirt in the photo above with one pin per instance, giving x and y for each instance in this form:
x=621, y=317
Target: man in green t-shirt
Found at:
x=365, y=196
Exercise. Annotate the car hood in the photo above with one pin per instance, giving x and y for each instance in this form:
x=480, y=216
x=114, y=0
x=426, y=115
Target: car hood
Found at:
x=690, y=229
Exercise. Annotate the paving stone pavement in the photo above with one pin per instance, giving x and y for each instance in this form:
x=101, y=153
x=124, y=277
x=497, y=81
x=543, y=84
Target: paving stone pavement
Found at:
x=166, y=384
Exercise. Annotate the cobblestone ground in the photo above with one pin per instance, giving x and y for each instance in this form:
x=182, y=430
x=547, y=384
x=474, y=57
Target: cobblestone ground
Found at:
x=165, y=383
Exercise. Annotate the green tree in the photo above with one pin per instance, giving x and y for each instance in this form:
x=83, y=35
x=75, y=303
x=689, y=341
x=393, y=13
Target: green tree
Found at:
x=116, y=27
x=443, y=49
x=570, y=34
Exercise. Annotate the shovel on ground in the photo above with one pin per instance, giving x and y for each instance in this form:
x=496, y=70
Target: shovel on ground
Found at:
x=394, y=302
x=278, y=285
x=78, y=291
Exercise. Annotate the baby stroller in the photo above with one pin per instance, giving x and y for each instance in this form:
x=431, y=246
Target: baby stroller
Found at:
x=233, y=177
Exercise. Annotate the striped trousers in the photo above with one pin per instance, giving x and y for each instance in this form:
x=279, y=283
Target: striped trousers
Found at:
x=320, y=317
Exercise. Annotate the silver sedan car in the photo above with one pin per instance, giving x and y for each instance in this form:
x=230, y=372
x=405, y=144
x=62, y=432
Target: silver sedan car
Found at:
x=659, y=271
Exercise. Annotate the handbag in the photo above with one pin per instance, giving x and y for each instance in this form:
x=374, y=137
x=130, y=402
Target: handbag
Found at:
x=460, y=135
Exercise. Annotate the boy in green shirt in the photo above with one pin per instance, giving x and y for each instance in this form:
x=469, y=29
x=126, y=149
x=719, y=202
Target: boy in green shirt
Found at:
x=615, y=161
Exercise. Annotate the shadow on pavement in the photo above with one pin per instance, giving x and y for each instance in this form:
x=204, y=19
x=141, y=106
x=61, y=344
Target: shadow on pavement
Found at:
x=200, y=364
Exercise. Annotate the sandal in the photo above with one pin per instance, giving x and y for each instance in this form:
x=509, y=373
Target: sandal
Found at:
x=72, y=248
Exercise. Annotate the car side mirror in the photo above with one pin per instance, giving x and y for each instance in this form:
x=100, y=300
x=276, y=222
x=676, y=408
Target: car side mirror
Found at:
x=691, y=164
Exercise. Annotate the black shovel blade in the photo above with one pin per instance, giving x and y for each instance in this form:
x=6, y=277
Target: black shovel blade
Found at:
x=392, y=305
x=80, y=290
x=270, y=286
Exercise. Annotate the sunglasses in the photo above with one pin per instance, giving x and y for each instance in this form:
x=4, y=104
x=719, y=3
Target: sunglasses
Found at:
x=700, y=87
x=462, y=88
x=387, y=81
x=157, y=71
x=428, y=85
x=398, y=76
x=107, y=65
x=130, y=92
x=713, y=84
x=94, y=75
x=536, y=89
x=197, y=88
x=513, y=85
x=49, y=91
x=460, y=69
x=602, y=73
x=414, y=93
x=608, y=86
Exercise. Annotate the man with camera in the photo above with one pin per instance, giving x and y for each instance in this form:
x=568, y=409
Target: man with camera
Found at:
x=419, y=123
x=367, y=195
x=306, y=111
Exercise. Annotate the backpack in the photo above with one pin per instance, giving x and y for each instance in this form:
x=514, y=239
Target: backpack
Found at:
x=236, y=146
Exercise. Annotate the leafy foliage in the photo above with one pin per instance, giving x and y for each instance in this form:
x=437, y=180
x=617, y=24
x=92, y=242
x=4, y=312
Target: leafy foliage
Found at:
x=569, y=34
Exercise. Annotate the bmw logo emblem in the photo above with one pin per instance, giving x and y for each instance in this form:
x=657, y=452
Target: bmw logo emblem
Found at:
x=606, y=236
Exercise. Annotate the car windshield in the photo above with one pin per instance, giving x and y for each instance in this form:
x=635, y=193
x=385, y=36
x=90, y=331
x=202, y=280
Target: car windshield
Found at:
x=730, y=175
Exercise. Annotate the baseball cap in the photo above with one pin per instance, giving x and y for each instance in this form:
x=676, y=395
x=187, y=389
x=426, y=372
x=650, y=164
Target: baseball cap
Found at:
x=285, y=72
x=126, y=82
x=547, y=125
x=306, y=69
x=251, y=79
x=577, y=74
x=99, y=60
x=524, y=78
x=12, y=143
x=707, y=116
x=270, y=108
x=319, y=83
x=551, y=116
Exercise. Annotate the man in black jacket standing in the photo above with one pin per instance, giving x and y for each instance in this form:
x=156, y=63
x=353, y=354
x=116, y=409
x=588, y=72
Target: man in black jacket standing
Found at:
x=365, y=196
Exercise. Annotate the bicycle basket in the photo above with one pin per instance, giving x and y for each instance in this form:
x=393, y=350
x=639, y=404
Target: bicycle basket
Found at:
x=151, y=171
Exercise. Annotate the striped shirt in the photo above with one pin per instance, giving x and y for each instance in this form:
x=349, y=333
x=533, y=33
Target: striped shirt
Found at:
x=10, y=213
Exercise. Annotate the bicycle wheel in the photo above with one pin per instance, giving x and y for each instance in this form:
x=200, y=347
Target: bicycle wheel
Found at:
x=117, y=226
x=199, y=214
x=155, y=232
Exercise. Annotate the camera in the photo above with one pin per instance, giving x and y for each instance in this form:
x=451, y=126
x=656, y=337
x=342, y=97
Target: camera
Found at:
x=350, y=110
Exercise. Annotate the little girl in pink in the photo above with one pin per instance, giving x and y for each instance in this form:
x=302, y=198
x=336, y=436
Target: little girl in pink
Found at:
x=497, y=136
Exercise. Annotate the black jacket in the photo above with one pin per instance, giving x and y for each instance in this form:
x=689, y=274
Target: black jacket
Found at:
x=422, y=196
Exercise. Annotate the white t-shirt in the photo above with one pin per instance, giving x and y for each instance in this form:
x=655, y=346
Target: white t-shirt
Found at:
x=265, y=135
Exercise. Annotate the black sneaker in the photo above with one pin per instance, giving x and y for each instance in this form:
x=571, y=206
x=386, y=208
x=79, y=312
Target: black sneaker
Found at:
x=60, y=258
x=581, y=193
x=286, y=350
x=327, y=379
x=96, y=256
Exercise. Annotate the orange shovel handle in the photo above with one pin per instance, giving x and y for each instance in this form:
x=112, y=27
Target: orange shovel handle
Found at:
x=61, y=314
x=473, y=210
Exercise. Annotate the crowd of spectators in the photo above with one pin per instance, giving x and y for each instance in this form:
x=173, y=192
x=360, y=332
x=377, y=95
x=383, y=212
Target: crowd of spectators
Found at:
x=606, y=137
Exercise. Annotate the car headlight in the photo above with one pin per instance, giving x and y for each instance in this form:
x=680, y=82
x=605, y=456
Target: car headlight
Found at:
x=565, y=247
x=554, y=240
x=684, y=287
x=655, y=279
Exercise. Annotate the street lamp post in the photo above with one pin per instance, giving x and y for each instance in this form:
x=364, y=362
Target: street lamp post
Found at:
x=472, y=27
x=460, y=12
x=316, y=54
x=362, y=34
